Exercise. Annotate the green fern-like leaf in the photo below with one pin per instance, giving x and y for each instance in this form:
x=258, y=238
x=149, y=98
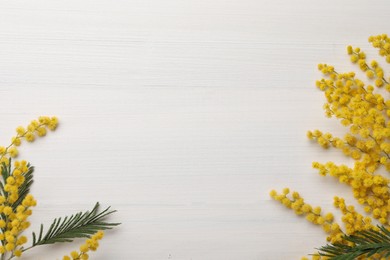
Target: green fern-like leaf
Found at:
x=24, y=189
x=5, y=173
x=82, y=224
x=366, y=243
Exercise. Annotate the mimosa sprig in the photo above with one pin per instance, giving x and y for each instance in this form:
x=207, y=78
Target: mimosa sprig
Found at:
x=363, y=107
x=16, y=204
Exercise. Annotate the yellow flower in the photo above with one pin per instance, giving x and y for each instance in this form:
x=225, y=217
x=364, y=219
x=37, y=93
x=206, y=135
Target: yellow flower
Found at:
x=29, y=137
x=365, y=112
x=20, y=130
x=18, y=253
x=9, y=246
x=74, y=254
x=90, y=244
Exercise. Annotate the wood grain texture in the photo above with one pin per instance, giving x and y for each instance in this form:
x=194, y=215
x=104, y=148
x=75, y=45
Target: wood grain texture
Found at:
x=182, y=115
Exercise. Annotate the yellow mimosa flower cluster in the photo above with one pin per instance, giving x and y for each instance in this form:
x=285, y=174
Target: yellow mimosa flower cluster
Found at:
x=366, y=112
x=313, y=214
x=14, y=220
x=35, y=128
x=90, y=244
x=16, y=178
x=15, y=208
x=381, y=42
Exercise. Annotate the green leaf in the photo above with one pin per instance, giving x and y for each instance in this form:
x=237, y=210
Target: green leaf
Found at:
x=366, y=243
x=5, y=173
x=81, y=224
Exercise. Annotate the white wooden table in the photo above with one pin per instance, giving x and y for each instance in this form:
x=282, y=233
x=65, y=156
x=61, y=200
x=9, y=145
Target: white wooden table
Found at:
x=182, y=115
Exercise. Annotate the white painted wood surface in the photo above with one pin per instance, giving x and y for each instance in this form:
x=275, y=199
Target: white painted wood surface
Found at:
x=182, y=115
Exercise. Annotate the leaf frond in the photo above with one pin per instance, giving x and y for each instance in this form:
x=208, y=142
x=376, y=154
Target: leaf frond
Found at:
x=365, y=243
x=81, y=224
